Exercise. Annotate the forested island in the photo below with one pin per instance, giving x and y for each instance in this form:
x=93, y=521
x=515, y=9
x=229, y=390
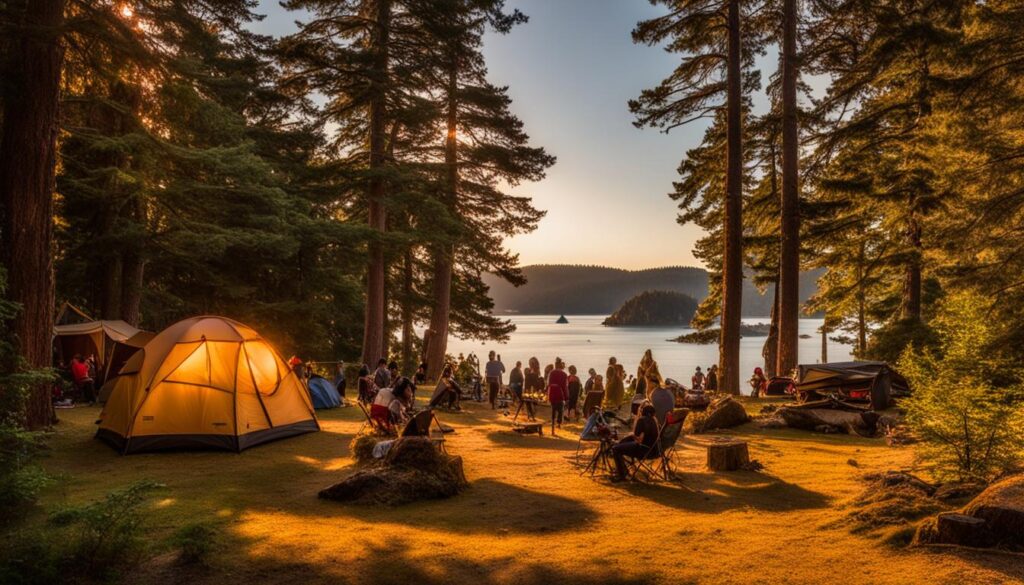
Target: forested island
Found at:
x=655, y=307
x=711, y=335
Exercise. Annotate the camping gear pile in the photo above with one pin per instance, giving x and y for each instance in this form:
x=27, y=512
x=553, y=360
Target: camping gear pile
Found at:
x=872, y=382
x=205, y=382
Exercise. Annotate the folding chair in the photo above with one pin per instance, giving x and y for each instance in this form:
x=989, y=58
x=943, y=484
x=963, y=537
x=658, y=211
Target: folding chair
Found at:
x=419, y=426
x=375, y=425
x=658, y=459
x=590, y=436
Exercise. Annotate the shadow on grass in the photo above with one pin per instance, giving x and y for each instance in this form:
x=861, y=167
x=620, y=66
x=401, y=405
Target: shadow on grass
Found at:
x=509, y=438
x=717, y=492
x=486, y=507
x=389, y=564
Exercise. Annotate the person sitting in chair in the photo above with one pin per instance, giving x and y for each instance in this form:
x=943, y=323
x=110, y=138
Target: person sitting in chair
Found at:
x=380, y=410
x=367, y=389
x=403, y=399
x=447, y=390
x=638, y=444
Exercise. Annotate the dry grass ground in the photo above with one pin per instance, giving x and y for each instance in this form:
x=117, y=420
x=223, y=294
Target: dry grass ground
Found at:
x=528, y=517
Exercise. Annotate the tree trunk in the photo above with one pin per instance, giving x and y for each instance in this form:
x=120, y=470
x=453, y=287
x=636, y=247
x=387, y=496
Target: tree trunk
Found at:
x=862, y=317
x=111, y=295
x=770, y=350
x=732, y=234
x=28, y=155
x=132, y=278
x=789, y=254
x=444, y=253
x=824, y=344
x=373, y=326
x=912, y=280
x=408, y=359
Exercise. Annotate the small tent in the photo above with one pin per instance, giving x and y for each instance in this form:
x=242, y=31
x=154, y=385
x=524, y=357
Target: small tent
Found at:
x=323, y=393
x=205, y=382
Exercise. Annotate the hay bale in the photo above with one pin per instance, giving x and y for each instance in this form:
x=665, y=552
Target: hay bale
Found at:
x=893, y=498
x=413, y=470
x=362, y=447
x=722, y=413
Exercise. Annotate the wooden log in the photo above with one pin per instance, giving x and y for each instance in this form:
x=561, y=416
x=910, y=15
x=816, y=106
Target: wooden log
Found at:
x=728, y=455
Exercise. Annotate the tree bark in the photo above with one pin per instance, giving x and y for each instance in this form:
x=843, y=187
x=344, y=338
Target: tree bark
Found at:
x=912, y=279
x=28, y=155
x=408, y=359
x=373, y=325
x=862, y=316
x=732, y=234
x=789, y=256
x=444, y=253
x=771, y=345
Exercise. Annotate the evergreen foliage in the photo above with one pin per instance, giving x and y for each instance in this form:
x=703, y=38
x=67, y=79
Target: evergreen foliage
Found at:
x=968, y=401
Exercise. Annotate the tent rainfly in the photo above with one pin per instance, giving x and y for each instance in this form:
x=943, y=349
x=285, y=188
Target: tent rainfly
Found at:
x=205, y=382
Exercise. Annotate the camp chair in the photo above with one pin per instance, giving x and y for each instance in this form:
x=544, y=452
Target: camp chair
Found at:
x=419, y=426
x=658, y=459
x=375, y=425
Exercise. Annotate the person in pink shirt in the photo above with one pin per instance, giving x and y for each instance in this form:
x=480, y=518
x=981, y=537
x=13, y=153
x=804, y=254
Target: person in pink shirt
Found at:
x=558, y=393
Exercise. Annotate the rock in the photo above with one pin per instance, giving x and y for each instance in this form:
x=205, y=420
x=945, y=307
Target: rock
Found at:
x=993, y=519
x=1001, y=505
x=722, y=413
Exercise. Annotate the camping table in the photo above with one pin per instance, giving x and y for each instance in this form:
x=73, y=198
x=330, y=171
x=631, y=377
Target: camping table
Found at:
x=530, y=402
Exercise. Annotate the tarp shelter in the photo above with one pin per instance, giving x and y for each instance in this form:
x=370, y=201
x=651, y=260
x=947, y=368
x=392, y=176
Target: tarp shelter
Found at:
x=322, y=393
x=119, y=356
x=873, y=381
x=205, y=382
x=99, y=338
x=69, y=314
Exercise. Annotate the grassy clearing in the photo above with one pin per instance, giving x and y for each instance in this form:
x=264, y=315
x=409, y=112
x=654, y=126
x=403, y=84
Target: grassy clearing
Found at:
x=528, y=516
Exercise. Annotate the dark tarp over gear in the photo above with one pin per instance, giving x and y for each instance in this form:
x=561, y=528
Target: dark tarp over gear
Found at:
x=874, y=382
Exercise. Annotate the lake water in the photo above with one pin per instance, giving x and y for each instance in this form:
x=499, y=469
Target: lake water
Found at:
x=585, y=343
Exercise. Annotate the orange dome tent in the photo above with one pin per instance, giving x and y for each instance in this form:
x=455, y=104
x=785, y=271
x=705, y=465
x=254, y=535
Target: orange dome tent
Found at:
x=206, y=382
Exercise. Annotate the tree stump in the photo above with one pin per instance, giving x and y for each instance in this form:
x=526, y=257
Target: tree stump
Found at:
x=961, y=529
x=727, y=455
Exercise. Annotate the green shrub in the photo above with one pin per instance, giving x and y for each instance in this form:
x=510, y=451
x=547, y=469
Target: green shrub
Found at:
x=20, y=478
x=105, y=537
x=966, y=406
x=195, y=542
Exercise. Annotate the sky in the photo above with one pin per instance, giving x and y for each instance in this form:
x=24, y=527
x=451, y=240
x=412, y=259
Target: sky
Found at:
x=570, y=71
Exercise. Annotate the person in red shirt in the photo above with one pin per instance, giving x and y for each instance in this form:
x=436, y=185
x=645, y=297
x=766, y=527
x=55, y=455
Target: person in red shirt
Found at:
x=558, y=393
x=83, y=381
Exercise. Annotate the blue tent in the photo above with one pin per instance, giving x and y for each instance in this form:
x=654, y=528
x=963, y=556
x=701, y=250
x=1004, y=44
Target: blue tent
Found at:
x=323, y=394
